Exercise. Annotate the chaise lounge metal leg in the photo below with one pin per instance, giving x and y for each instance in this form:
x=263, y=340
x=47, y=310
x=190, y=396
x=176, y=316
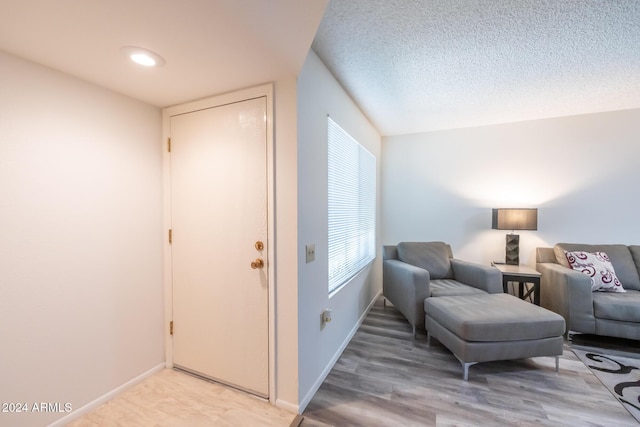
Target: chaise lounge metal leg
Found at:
x=557, y=363
x=384, y=303
x=465, y=367
x=414, y=332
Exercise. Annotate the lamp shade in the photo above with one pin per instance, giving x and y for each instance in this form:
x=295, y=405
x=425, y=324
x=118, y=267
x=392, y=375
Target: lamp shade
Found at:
x=514, y=219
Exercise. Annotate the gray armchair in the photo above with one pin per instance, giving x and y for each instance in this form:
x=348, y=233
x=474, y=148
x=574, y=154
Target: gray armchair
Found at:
x=413, y=271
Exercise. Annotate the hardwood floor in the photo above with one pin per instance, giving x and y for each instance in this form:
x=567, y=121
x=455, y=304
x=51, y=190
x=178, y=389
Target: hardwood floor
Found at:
x=385, y=378
x=173, y=398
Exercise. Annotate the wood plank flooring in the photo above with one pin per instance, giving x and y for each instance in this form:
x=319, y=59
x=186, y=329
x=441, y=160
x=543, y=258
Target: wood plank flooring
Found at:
x=173, y=398
x=386, y=378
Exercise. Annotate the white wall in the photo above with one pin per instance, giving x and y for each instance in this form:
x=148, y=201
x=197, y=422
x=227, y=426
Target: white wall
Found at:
x=81, y=306
x=318, y=95
x=581, y=172
x=286, y=224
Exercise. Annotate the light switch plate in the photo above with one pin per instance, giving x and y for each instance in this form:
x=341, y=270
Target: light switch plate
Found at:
x=311, y=252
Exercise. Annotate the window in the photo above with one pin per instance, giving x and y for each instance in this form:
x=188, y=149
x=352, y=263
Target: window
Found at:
x=352, y=206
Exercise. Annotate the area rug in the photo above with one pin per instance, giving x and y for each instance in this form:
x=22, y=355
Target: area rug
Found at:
x=621, y=375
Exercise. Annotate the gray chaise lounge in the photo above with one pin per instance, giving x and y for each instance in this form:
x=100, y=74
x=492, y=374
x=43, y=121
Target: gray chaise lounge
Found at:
x=463, y=306
x=413, y=271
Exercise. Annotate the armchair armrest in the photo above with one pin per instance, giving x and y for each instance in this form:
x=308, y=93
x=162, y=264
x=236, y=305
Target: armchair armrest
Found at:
x=479, y=276
x=406, y=286
x=568, y=293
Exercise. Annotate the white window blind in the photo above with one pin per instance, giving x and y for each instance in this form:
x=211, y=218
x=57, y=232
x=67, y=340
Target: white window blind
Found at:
x=352, y=206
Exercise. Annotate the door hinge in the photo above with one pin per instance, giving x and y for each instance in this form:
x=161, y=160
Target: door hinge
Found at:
x=170, y=236
x=171, y=328
x=169, y=144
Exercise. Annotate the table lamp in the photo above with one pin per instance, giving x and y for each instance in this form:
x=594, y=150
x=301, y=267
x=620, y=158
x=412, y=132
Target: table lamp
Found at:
x=514, y=219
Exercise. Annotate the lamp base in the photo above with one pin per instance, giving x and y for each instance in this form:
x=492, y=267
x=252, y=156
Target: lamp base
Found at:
x=512, y=250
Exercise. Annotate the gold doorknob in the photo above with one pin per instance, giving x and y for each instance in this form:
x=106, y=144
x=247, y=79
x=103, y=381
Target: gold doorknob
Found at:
x=258, y=263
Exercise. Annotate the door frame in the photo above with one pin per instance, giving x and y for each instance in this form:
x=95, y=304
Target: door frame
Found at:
x=265, y=90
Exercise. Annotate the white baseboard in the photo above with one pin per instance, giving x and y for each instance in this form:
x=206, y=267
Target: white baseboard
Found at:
x=336, y=356
x=105, y=397
x=287, y=406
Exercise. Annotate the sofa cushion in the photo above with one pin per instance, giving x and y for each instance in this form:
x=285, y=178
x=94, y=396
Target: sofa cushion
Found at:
x=599, y=269
x=450, y=287
x=635, y=254
x=494, y=317
x=613, y=306
x=432, y=256
x=620, y=257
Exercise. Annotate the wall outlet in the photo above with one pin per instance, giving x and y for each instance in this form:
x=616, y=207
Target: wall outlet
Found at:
x=311, y=252
x=325, y=317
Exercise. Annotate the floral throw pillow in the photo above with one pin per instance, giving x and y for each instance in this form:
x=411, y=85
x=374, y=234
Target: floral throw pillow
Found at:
x=597, y=266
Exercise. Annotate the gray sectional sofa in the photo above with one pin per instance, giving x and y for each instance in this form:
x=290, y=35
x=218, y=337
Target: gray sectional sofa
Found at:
x=569, y=292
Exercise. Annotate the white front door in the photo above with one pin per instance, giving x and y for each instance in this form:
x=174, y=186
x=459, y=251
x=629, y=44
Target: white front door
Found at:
x=219, y=239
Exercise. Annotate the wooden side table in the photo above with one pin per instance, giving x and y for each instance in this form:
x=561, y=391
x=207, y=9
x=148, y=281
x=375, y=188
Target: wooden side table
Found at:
x=523, y=275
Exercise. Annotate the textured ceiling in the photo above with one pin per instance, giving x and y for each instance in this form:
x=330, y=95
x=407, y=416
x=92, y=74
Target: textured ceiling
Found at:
x=421, y=65
x=210, y=46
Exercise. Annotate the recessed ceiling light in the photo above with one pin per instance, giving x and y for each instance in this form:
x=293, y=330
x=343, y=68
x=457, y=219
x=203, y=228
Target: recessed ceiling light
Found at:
x=143, y=56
